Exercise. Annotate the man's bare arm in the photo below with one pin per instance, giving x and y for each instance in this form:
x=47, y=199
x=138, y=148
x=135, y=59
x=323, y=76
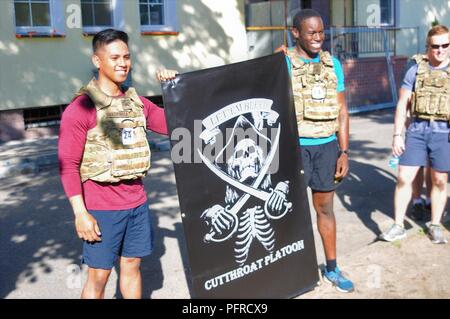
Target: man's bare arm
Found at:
x=343, y=137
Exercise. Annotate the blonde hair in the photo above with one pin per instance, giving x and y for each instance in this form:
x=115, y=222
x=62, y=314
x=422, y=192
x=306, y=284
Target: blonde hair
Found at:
x=437, y=30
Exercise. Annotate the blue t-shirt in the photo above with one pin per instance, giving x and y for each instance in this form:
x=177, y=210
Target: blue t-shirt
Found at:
x=306, y=141
x=409, y=80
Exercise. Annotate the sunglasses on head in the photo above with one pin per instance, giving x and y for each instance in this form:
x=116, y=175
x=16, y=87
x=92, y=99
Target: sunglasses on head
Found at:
x=437, y=46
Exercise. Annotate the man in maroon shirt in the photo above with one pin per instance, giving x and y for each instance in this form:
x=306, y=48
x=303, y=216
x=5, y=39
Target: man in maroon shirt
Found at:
x=103, y=154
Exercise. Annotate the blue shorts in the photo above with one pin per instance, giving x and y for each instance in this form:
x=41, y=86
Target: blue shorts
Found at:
x=126, y=233
x=427, y=142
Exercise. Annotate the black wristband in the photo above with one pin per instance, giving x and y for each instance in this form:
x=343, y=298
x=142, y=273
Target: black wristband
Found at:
x=343, y=152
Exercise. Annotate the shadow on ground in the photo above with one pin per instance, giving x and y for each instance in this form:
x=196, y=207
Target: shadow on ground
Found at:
x=365, y=184
x=37, y=231
x=36, y=227
x=362, y=189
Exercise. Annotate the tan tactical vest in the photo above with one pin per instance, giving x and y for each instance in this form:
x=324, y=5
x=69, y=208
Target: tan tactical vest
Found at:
x=116, y=148
x=314, y=86
x=431, y=97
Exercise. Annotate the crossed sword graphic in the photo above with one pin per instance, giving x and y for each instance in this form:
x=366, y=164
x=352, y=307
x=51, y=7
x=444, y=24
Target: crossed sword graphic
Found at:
x=248, y=190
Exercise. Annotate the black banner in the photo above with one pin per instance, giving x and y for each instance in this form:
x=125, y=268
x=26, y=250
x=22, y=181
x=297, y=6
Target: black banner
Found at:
x=242, y=198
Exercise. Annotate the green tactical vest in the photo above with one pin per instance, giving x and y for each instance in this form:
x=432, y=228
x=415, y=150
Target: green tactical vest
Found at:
x=314, y=86
x=116, y=148
x=431, y=97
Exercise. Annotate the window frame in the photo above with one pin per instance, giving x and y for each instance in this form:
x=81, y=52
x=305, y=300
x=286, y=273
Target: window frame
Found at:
x=56, y=27
x=170, y=19
x=393, y=15
x=118, y=21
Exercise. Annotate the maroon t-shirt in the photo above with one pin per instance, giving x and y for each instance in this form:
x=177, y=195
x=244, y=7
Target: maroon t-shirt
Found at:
x=78, y=118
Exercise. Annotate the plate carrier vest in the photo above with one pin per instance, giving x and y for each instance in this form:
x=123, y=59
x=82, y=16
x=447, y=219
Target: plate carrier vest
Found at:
x=431, y=96
x=107, y=158
x=314, y=86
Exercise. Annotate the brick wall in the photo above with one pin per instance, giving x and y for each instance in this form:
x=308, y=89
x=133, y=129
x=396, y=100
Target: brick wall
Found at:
x=367, y=80
x=12, y=127
x=399, y=64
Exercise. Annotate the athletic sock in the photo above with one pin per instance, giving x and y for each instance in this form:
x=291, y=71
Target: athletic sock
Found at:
x=331, y=265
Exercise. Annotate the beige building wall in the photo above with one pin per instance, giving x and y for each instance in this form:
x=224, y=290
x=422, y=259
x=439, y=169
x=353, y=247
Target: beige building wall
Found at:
x=410, y=14
x=265, y=14
x=47, y=71
x=421, y=14
x=341, y=13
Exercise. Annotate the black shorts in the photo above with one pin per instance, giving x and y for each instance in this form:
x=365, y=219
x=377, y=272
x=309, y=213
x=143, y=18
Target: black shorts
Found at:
x=319, y=166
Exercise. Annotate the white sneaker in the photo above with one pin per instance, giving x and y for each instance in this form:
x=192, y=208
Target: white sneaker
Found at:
x=395, y=232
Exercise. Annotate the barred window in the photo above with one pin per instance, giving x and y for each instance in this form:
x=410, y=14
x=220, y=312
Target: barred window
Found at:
x=43, y=116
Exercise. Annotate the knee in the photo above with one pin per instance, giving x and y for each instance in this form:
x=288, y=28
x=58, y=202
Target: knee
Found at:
x=325, y=210
x=99, y=277
x=403, y=180
x=440, y=183
x=131, y=260
x=130, y=264
x=323, y=204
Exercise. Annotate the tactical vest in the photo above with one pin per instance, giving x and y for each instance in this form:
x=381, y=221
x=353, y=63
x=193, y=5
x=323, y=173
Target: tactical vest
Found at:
x=116, y=148
x=314, y=86
x=431, y=97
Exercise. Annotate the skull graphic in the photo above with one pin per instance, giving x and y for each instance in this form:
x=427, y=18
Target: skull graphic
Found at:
x=246, y=160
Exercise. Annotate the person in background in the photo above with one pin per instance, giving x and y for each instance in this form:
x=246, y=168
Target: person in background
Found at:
x=426, y=86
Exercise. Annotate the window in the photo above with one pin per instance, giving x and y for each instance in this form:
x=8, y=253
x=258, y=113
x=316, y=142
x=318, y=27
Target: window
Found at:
x=43, y=116
x=32, y=13
x=387, y=12
x=152, y=12
x=306, y=4
x=101, y=14
x=97, y=13
x=38, y=17
x=158, y=15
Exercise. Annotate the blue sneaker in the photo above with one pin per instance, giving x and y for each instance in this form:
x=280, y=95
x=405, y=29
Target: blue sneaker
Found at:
x=337, y=279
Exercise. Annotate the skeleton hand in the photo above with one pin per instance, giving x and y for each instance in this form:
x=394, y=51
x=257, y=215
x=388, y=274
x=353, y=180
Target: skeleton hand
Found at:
x=277, y=205
x=166, y=75
x=221, y=222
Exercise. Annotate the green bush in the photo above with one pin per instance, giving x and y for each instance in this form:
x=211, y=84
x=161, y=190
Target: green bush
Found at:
x=435, y=22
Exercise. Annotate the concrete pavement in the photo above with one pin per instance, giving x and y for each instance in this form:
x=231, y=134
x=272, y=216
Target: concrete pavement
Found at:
x=39, y=251
x=35, y=155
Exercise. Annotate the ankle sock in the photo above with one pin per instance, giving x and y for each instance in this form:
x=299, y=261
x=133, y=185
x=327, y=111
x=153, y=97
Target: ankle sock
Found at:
x=331, y=265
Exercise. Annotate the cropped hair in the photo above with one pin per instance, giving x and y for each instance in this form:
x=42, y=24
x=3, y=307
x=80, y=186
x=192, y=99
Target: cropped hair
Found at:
x=107, y=36
x=303, y=15
x=437, y=30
